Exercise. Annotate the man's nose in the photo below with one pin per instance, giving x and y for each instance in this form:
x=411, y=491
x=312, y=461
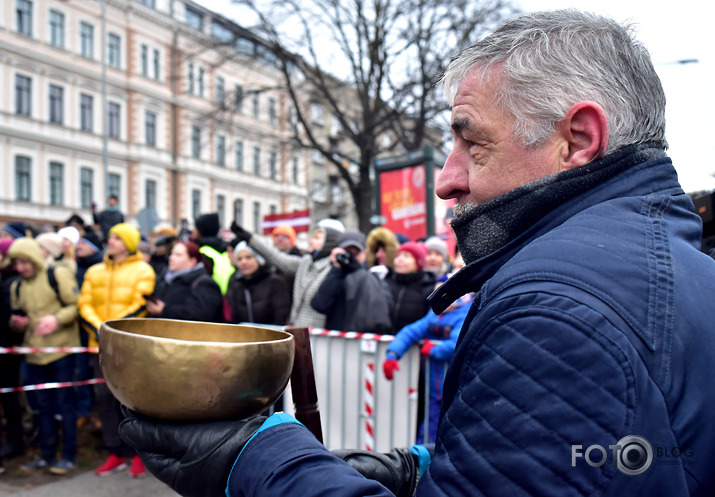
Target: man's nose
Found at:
x=453, y=180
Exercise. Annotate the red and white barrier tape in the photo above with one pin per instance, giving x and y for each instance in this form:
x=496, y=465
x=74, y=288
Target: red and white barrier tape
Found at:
x=46, y=350
x=352, y=335
x=47, y=386
x=369, y=405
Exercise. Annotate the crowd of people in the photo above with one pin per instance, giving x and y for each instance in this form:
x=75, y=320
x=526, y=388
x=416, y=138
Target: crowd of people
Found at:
x=60, y=283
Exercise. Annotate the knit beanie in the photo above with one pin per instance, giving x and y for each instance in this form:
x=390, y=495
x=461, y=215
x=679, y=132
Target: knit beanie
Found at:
x=92, y=241
x=16, y=229
x=437, y=244
x=70, y=233
x=5, y=246
x=129, y=235
x=330, y=223
x=207, y=225
x=243, y=247
x=287, y=230
x=417, y=250
x=52, y=243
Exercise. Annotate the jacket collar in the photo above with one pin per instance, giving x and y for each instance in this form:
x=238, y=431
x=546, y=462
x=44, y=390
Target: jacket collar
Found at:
x=490, y=234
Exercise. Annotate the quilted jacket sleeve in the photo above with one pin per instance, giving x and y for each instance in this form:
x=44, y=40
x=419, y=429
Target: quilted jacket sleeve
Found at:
x=534, y=374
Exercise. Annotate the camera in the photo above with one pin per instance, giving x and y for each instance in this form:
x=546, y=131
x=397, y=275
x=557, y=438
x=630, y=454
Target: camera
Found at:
x=344, y=259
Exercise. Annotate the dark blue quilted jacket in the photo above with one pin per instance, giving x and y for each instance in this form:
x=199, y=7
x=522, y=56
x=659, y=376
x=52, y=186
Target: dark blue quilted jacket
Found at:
x=594, y=324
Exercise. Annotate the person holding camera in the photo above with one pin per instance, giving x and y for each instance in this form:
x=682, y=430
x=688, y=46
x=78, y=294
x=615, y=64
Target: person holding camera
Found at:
x=352, y=298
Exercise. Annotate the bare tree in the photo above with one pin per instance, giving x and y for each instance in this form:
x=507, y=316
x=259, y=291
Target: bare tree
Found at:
x=374, y=65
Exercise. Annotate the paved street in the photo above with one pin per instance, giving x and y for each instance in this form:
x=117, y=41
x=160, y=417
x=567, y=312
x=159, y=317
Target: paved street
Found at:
x=87, y=484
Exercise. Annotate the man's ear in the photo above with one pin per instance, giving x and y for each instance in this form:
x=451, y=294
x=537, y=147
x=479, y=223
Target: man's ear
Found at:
x=585, y=130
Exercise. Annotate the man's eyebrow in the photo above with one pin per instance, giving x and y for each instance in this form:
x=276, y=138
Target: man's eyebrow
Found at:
x=461, y=124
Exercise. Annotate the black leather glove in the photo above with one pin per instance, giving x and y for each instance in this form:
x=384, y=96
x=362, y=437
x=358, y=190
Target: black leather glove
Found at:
x=241, y=234
x=195, y=459
x=398, y=471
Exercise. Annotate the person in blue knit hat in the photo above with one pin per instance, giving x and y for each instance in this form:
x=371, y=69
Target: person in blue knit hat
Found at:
x=13, y=230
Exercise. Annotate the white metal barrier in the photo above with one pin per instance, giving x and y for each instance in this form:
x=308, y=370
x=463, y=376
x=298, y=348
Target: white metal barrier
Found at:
x=359, y=408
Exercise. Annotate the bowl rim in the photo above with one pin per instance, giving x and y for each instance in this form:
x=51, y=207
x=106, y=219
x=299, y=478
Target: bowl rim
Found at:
x=286, y=338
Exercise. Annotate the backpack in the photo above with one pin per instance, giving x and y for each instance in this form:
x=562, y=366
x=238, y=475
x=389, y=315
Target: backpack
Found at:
x=52, y=280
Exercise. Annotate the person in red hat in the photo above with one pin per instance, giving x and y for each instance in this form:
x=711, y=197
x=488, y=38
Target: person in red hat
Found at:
x=409, y=284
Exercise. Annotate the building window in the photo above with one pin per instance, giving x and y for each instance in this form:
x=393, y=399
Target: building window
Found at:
x=318, y=191
x=296, y=167
x=23, y=95
x=238, y=211
x=150, y=193
x=114, y=51
x=196, y=142
x=318, y=158
x=22, y=178
x=238, y=98
x=337, y=194
x=156, y=64
x=114, y=121
x=56, y=104
x=220, y=92
x=196, y=203
x=201, y=81
x=194, y=18
x=150, y=128
x=57, y=29
x=85, y=112
x=255, y=104
x=86, y=34
x=221, y=150
x=149, y=3
x=272, y=209
x=221, y=209
x=256, y=161
x=239, y=156
x=145, y=60
x=256, y=217
x=272, y=113
x=23, y=10
x=113, y=181
x=56, y=183
x=191, y=78
x=273, y=164
x=317, y=114
x=86, y=187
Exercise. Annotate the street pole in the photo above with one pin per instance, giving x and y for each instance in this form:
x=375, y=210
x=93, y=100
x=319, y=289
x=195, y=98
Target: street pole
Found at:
x=105, y=158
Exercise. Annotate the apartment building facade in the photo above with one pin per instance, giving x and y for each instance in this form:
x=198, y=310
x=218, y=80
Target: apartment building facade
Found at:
x=164, y=104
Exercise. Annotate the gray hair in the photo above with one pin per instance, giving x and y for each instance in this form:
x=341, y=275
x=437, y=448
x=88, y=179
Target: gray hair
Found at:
x=549, y=61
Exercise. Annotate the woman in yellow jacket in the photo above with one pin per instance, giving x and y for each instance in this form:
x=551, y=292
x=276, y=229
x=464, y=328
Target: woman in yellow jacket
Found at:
x=114, y=289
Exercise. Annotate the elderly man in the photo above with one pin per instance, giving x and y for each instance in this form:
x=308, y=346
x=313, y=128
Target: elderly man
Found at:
x=583, y=366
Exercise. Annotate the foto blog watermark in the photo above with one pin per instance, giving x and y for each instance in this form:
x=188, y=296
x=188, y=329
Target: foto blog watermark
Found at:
x=633, y=455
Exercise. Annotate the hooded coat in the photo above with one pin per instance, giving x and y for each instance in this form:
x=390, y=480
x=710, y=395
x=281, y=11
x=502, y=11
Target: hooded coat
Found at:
x=309, y=270
x=37, y=298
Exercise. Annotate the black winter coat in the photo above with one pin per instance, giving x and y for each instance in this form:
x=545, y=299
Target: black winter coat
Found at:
x=263, y=298
x=410, y=292
x=191, y=296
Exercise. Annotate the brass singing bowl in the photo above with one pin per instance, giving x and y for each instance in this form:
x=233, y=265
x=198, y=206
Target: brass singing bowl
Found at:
x=185, y=370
